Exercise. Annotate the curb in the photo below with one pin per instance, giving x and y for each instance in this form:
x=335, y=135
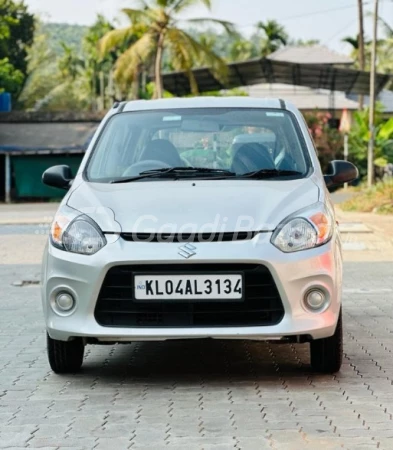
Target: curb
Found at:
x=25, y=222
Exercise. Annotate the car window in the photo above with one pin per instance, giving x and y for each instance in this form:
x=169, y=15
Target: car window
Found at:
x=233, y=139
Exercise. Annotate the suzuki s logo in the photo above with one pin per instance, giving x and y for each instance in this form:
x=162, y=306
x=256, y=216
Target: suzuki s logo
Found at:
x=186, y=251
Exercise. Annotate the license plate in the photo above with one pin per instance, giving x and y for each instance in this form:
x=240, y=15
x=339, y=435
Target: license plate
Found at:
x=188, y=287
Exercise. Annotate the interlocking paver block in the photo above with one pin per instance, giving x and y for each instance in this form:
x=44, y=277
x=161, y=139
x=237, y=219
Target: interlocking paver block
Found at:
x=200, y=394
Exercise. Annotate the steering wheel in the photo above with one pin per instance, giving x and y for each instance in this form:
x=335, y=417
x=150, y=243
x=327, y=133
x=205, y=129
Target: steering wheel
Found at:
x=188, y=164
x=142, y=166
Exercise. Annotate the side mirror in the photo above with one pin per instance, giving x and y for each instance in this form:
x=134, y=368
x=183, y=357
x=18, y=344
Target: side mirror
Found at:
x=58, y=176
x=340, y=172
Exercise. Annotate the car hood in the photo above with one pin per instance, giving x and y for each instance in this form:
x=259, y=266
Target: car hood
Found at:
x=193, y=206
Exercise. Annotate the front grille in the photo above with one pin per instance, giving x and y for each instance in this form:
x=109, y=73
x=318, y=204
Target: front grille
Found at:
x=189, y=237
x=116, y=307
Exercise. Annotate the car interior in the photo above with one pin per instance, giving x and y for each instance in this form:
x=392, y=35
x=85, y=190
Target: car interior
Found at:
x=181, y=139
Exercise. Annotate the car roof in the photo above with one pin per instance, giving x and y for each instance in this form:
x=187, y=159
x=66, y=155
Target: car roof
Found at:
x=205, y=102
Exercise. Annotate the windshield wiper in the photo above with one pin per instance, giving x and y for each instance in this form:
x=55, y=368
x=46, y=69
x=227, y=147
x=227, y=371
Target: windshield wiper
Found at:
x=269, y=173
x=174, y=172
x=187, y=170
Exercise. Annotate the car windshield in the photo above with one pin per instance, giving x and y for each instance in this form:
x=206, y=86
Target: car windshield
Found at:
x=217, y=142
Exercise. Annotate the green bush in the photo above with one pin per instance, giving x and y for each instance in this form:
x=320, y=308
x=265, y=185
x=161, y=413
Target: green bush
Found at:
x=359, y=138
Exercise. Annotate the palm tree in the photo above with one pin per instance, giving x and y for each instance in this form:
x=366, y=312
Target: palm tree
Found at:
x=275, y=36
x=352, y=41
x=304, y=42
x=70, y=64
x=241, y=50
x=157, y=23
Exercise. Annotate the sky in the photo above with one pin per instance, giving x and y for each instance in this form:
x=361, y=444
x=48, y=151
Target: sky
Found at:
x=329, y=21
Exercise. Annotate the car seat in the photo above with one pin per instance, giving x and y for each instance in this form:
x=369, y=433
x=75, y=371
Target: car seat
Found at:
x=162, y=150
x=250, y=158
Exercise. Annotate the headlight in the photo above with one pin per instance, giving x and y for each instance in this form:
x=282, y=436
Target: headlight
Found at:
x=75, y=232
x=305, y=229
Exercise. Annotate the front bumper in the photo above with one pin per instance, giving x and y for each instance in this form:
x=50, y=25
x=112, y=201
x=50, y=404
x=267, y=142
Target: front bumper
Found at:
x=294, y=274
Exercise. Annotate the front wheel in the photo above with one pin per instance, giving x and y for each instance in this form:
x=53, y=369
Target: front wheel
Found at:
x=327, y=353
x=65, y=357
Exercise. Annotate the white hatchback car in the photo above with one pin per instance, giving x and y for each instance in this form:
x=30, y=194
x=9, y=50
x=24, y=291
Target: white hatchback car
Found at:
x=169, y=232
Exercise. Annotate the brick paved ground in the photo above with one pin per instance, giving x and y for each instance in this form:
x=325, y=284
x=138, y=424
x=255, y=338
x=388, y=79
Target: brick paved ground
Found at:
x=199, y=394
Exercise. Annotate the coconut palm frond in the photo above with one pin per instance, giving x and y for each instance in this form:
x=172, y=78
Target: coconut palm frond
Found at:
x=153, y=30
x=181, y=56
x=139, y=51
x=164, y=3
x=228, y=26
x=182, y=59
x=137, y=15
x=128, y=63
x=180, y=5
x=113, y=39
x=353, y=41
x=197, y=53
x=274, y=31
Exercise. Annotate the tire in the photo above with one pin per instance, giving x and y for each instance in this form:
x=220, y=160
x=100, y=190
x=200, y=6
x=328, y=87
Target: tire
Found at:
x=65, y=357
x=327, y=354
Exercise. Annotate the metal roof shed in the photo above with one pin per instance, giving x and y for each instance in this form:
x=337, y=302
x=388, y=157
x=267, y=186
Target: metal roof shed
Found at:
x=310, y=54
x=30, y=148
x=263, y=70
x=45, y=138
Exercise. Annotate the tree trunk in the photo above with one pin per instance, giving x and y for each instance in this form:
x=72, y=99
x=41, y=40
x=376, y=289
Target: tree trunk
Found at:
x=361, y=46
x=143, y=80
x=94, y=92
x=159, y=89
x=102, y=91
x=193, y=83
x=111, y=88
x=136, y=83
x=371, y=144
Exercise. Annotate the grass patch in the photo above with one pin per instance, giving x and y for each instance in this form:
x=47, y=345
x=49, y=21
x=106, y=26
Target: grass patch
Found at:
x=378, y=198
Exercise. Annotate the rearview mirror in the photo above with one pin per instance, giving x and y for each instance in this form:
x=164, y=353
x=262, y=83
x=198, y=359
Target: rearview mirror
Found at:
x=58, y=176
x=340, y=172
x=200, y=126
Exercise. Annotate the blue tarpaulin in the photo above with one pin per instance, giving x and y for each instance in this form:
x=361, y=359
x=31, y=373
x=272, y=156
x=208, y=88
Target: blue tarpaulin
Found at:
x=5, y=102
